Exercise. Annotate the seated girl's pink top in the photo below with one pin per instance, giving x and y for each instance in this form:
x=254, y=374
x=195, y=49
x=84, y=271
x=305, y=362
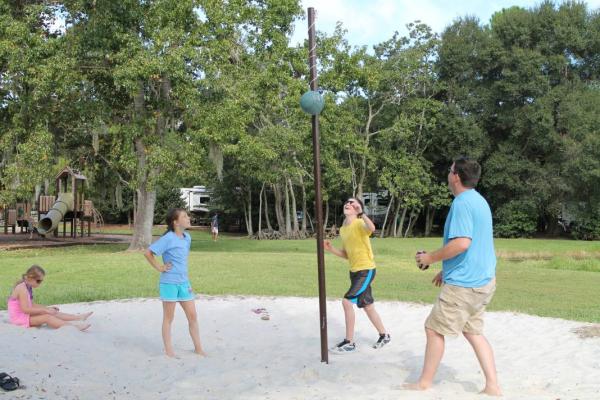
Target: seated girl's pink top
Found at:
x=15, y=314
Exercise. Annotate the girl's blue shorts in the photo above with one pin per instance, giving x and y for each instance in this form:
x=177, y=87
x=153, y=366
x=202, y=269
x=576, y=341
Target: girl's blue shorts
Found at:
x=176, y=292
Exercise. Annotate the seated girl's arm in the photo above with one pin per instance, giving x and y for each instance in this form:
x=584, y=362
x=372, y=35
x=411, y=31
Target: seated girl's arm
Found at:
x=23, y=296
x=155, y=264
x=52, y=309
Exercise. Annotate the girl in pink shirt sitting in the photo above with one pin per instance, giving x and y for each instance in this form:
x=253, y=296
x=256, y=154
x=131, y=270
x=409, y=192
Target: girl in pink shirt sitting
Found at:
x=23, y=311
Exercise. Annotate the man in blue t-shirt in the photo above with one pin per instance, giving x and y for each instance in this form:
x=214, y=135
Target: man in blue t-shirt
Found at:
x=467, y=278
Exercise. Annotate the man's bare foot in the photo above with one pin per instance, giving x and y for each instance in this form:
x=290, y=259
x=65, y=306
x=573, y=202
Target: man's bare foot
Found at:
x=491, y=391
x=415, y=386
x=83, y=317
x=200, y=352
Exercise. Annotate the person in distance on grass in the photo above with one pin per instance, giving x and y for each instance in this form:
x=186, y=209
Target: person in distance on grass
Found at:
x=174, y=286
x=214, y=227
x=467, y=278
x=356, y=248
x=23, y=311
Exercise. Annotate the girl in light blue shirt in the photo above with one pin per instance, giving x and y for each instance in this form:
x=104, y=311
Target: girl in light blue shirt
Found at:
x=174, y=286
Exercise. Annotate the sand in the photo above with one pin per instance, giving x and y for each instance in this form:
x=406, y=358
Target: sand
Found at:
x=120, y=357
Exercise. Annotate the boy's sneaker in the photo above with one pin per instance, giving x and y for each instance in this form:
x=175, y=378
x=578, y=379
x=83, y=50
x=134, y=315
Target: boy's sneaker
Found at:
x=382, y=341
x=344, y=347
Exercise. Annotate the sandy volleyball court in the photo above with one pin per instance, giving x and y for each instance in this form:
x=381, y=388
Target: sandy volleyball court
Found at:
x=250, y=358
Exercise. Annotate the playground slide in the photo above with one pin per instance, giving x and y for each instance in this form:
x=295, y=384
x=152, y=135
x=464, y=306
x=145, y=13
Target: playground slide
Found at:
x=50, y=221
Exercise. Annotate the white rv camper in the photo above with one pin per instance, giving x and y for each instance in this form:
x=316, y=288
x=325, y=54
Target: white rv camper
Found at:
x=197, y=200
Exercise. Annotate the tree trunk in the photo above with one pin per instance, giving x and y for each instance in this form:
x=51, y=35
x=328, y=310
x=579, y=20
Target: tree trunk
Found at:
x=412, y=220
x=146, y=199
x=312, y=227
x=278, y=209
x=401, y=223
x=288, y=222
x=326, y=219
x=429, y=214
x=260, y=199
x=294, y=208
x=394, y=225
x=367, y=137
x=387, y=213
x=249, y=224
x=269, y=227
x=411, y=228
x=303, y=206
x=142, y=230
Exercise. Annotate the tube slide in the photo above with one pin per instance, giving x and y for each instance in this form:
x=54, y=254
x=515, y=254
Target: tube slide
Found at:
x=50, y=221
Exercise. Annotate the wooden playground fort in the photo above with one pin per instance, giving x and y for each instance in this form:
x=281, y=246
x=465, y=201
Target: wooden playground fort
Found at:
x=69, y=206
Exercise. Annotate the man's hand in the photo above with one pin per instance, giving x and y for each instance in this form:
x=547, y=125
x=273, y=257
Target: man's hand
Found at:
x=437, y=279
x=327, y=245
x=423, y=258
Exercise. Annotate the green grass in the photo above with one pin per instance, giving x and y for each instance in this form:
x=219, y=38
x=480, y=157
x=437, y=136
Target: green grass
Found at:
x=554, y=278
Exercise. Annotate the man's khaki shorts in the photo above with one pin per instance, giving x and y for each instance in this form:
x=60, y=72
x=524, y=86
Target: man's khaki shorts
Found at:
x=459, y=309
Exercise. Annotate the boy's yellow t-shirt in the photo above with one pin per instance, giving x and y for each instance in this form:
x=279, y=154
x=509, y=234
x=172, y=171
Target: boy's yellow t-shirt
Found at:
x=355, y=239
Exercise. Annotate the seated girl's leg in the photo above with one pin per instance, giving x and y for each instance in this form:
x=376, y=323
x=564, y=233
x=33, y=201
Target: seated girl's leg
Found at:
x=50, y=320
x=189, y=308
x=72, y=317
x=53, y=322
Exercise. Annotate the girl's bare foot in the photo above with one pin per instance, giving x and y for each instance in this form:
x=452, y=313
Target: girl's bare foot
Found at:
x=82, y=327
x=491, y=391
x=200, y=352
x=415, y=386
x=83, y=317
x=170, y=353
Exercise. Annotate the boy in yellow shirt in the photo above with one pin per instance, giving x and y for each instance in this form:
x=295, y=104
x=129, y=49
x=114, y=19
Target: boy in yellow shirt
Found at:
x=356, y=248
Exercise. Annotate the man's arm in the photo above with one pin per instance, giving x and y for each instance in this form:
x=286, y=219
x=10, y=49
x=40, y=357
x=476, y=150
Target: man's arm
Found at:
x=453, y=248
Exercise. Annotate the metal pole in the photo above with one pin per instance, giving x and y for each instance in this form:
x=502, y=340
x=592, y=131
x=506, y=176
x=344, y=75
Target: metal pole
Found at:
x=312, y=62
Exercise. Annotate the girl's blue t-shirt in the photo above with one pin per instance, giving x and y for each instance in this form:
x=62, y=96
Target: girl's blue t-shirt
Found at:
x=174, y=250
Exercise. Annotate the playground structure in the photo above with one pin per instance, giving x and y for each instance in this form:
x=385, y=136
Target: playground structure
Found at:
x=70, y=206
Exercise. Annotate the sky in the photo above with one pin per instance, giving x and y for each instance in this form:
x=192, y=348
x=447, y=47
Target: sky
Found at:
x=370, y=22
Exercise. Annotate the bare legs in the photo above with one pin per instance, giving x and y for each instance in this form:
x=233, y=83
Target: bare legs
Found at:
x=485, y=355
x=434, y=351
x=350, y=318
x=168, y=315
x=59, y=320
x=189, y=308
x=375, y=318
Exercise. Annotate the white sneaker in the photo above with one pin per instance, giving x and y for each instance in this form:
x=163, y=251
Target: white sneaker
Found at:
x=382, y=341
x=344, y=347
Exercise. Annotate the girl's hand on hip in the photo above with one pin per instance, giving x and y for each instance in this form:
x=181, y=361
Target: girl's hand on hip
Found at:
x=165, y=267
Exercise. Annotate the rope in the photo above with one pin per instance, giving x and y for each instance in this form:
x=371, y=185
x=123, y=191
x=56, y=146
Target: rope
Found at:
x=313, y=51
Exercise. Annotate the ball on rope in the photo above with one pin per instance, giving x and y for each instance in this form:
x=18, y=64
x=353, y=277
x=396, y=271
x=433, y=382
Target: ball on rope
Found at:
x=312, y=102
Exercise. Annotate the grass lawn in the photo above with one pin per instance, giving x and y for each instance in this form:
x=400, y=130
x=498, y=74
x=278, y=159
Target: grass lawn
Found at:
x=554, y=278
